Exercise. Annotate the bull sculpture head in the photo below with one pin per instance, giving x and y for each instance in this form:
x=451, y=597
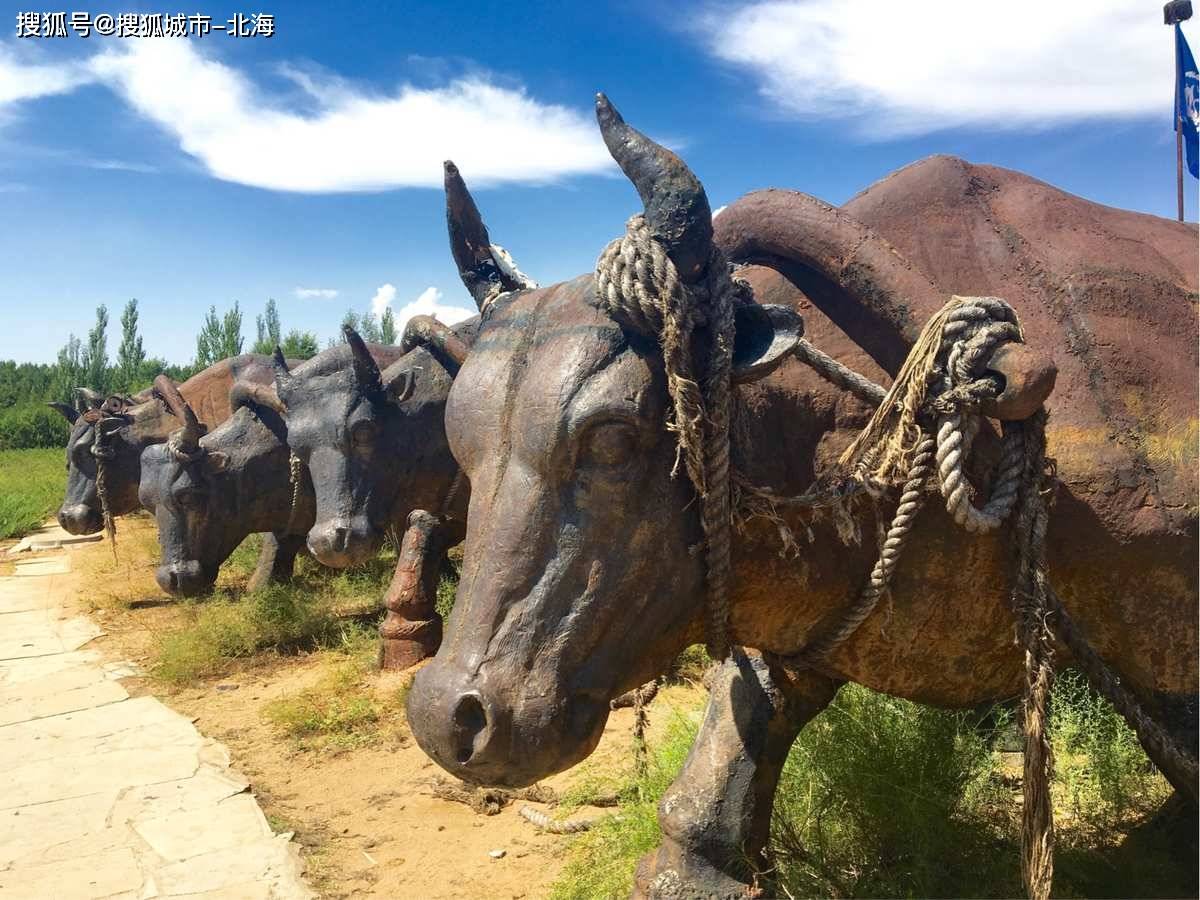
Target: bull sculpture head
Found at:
x=361, y=432
x=374, y=439
x=98, y=425
x=209, y=492
x=579, y=580
x=581, y=577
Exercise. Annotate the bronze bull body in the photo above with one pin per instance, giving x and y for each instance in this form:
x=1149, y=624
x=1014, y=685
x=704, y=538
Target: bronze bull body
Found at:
x=581, y=579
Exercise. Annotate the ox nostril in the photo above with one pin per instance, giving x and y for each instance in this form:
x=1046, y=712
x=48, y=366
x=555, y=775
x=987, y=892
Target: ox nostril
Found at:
x=470, y=720
x=341, y=538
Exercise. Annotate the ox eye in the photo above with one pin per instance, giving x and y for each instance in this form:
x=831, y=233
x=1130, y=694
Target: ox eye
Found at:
x=364, y=433
x=608, y=444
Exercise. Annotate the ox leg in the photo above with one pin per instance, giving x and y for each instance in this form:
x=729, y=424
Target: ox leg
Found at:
x=716, y=817
x=277, y=559
x=412, y=629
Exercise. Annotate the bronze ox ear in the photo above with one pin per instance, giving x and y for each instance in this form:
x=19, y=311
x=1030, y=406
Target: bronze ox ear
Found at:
x=400, y=386
x=765, y=335
x=67, y=411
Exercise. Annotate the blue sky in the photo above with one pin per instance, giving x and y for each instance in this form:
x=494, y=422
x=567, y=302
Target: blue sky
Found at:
x=190, y=172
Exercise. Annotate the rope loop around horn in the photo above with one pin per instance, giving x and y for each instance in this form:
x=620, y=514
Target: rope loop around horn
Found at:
x=637, y=284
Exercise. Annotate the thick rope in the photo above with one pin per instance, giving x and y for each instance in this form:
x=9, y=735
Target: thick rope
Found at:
x=637, y=283
x=1029, y=604
x=545, y=823
x=102, y=453
x=945, y=377
x=842, y=376
x=296, y=479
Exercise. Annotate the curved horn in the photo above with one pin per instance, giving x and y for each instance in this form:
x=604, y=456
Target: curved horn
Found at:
x=262, y=395
x=366, y=370
x=427, y=331
x=68, y=412
x=676, y=206
x=849, y=272
x=189, y=434
x=469, y=242
x=283, y=375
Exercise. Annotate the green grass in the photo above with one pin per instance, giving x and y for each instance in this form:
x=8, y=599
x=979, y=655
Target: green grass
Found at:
x=318, y=609
x=32, y=483
x=344, y=710
x=603, y=859
x=885, y=798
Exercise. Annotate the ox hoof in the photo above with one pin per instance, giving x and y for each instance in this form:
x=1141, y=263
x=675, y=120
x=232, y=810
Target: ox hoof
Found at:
x=665, y=875
x=404, y=644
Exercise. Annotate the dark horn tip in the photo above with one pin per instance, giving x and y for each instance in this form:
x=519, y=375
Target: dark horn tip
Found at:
x=606, y=113
x=450, y=168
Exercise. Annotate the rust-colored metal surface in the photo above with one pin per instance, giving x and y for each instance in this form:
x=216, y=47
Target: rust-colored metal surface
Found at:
x=1110, y=293
x=412, y=629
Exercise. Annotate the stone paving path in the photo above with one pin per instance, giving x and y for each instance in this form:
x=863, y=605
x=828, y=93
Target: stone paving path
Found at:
x=104, y=795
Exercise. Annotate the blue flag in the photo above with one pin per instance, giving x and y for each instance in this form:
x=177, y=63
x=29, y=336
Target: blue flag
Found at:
x=1187, y=100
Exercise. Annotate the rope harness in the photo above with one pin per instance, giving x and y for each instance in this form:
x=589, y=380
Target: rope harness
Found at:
x=103, y=451
x=920, y=435
x=637, y=283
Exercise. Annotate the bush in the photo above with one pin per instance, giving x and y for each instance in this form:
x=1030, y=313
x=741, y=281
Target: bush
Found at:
x=32, y=425
x=1102, y=775
x=881, y=797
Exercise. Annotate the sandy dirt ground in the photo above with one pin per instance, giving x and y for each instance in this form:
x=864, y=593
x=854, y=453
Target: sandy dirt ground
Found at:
x=367, y=818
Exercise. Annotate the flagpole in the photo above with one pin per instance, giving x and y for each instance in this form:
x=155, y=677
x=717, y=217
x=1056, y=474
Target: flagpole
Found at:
x=1178, y=132
x=1174, y=12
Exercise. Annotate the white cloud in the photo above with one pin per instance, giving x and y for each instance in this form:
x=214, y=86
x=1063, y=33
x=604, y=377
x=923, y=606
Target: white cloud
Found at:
x=428, y=303
x=24, y=77
x=384, y=295
x=304, y=293
x=905, y=68
x=352, y=140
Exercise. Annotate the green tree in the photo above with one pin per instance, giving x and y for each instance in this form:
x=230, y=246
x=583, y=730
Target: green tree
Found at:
x=219, y=338
x=269, y=330
x=300, y=345
x=352, y=319
x=130, y=355
x=387, y=327
x=95, y=355
x=69, y=371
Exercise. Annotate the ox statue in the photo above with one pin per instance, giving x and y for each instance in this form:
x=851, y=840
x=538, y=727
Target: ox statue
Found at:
x=125, y=426
x=210, y=491
x=375, y=441
x=112, y=432
x=581, y=578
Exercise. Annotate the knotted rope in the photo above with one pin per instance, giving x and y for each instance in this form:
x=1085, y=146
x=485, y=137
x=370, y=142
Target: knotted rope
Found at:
x=636, y=283
x=931, y=414
x=296, y=479
x=102, y=452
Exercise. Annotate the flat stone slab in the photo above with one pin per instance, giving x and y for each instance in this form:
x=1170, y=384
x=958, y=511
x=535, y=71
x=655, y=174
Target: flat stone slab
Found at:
x=110, y=796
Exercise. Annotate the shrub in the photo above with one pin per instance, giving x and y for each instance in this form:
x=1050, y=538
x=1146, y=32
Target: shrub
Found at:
x=32, y=425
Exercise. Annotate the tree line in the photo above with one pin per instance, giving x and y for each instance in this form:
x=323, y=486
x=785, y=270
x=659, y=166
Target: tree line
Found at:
x=26, y=388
